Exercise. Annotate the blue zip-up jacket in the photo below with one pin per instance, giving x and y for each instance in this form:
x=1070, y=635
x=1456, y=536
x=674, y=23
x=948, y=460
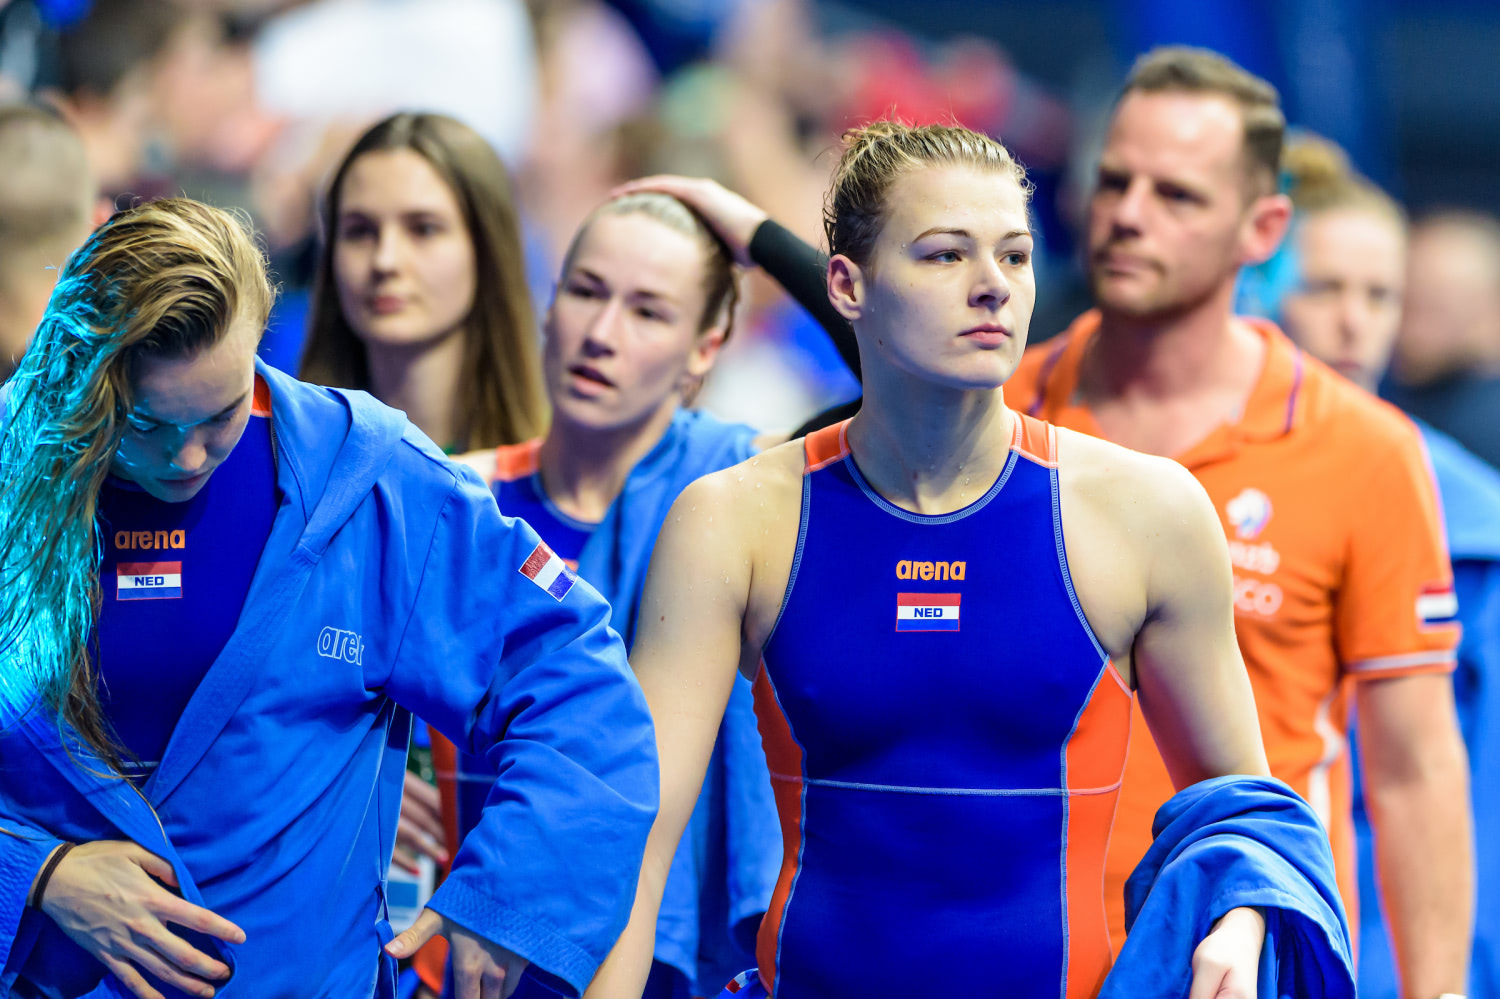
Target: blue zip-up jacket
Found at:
x=1470, y=493
x=389, y=585
x=727, y=862
x=1224, y=843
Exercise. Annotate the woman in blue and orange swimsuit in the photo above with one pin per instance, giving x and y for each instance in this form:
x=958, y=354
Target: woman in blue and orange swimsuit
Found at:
x=944, y=607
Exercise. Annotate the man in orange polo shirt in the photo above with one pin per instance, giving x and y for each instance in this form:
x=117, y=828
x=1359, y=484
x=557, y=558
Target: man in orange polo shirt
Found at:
x=1343, y=591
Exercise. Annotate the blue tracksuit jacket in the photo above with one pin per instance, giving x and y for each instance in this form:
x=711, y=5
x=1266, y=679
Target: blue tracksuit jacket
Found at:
x=1470, y=491
x=389, y=585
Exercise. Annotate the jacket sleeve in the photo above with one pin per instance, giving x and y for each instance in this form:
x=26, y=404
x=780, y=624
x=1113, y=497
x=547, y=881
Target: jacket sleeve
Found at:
x=23, y=851
x=534, y=681
x=1224, y=843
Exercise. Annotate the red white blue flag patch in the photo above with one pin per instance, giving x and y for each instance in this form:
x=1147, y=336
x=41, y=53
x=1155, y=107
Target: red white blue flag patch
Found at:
x=544, y=568
x=927, y=611
x=1437, y=606
x=148, y=580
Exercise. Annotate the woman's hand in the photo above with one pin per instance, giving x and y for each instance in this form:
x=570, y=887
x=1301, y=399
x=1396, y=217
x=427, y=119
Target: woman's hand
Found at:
x=420, y=830
x=1226, y=964
x=730, y=216
x=105, y=895
x=481, y=969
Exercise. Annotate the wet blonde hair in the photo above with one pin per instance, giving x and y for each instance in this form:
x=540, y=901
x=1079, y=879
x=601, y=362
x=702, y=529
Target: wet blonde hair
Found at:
x=876, y=155
x=163, y=279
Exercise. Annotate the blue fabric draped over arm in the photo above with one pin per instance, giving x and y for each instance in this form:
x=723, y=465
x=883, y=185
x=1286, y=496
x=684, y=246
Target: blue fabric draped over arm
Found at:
x=1221, y=844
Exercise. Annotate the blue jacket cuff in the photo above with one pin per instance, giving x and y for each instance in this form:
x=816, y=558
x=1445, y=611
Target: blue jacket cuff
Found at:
x=544, y=946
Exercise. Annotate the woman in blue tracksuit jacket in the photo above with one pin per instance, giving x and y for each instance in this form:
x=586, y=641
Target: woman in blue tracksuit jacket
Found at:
x=645, y=299
x=388, y=583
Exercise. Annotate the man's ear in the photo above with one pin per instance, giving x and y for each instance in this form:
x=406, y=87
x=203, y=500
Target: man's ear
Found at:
x=846, y=287
x=1265, y=227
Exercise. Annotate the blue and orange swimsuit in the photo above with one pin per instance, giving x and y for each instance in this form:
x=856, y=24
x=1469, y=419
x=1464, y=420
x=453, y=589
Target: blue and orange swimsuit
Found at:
x=946, y=739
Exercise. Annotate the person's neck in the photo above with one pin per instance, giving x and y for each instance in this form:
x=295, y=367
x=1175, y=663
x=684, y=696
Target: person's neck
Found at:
x=422, y=379
x=584, y=468
x=927, y=448
x=1198, y=351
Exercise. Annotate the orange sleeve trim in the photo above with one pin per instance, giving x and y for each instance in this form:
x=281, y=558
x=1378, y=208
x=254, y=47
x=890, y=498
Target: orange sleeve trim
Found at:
x=516, y=461
x=1035, y=439
x=260, y=401
x=1385, y=667
x=826, y=446
x=1440, y=669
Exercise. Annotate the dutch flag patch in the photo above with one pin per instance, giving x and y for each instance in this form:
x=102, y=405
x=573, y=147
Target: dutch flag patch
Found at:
x=148, y=581
x=927, y=611
x=544, y=568
x=1437, y=606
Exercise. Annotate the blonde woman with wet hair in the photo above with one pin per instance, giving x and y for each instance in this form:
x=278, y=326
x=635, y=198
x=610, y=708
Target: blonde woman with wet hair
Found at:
x=945, y=608
x=222, y=594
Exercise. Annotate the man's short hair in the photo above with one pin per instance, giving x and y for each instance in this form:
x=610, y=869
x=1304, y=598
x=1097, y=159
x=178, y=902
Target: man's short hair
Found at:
x=46, y=187
x=1183, y=69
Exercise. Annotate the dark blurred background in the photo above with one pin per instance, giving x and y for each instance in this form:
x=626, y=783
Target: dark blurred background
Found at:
x=249, y=102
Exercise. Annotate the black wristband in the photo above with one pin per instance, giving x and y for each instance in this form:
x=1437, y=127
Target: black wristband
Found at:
x=46, y=875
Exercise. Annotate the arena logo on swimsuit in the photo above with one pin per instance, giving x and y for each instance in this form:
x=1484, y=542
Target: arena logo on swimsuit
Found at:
x=930, y=570
x=128, y=540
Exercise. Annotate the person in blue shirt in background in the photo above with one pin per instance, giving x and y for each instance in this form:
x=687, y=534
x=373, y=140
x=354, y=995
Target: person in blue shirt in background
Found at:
x=1337, y=289
x=645, y=301
x=200, y=790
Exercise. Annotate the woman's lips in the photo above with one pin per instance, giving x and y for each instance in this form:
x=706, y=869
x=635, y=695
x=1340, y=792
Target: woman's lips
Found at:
x=583, y=372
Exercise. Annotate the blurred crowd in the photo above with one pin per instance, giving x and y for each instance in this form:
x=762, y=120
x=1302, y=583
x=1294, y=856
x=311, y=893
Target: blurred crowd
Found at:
x=251, y=103
x=254, y=104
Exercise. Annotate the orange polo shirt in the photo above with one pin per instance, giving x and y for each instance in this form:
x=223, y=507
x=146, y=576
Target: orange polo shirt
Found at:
x=1341, y=571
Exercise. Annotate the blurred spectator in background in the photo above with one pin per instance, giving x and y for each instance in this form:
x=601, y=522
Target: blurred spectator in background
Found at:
x=46, y=210
x=101, y=74
x=420, y=296
x=355, y=60
x=1447, y=364
x=1346, y=260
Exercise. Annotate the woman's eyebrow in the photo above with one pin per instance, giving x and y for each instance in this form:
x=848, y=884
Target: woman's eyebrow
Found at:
x=148, y=418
